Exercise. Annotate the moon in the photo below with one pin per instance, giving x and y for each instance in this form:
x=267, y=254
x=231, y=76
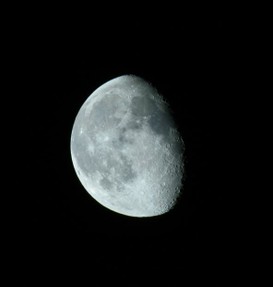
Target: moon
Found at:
x=126, y=148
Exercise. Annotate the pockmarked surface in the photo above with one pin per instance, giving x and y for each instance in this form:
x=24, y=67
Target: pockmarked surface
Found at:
x=126, y=148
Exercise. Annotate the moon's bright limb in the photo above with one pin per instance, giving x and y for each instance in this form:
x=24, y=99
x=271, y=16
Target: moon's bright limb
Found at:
x=126, y=149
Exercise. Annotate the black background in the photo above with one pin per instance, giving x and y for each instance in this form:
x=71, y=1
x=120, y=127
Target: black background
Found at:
x=59, y=58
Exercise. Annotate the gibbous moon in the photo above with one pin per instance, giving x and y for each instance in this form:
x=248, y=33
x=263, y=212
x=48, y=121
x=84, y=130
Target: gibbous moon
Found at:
x=126, y=148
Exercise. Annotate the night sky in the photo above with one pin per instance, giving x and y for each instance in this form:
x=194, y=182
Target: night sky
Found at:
x=59, y=229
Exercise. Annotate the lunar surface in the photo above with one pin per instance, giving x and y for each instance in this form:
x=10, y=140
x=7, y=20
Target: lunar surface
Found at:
x=126, y=148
